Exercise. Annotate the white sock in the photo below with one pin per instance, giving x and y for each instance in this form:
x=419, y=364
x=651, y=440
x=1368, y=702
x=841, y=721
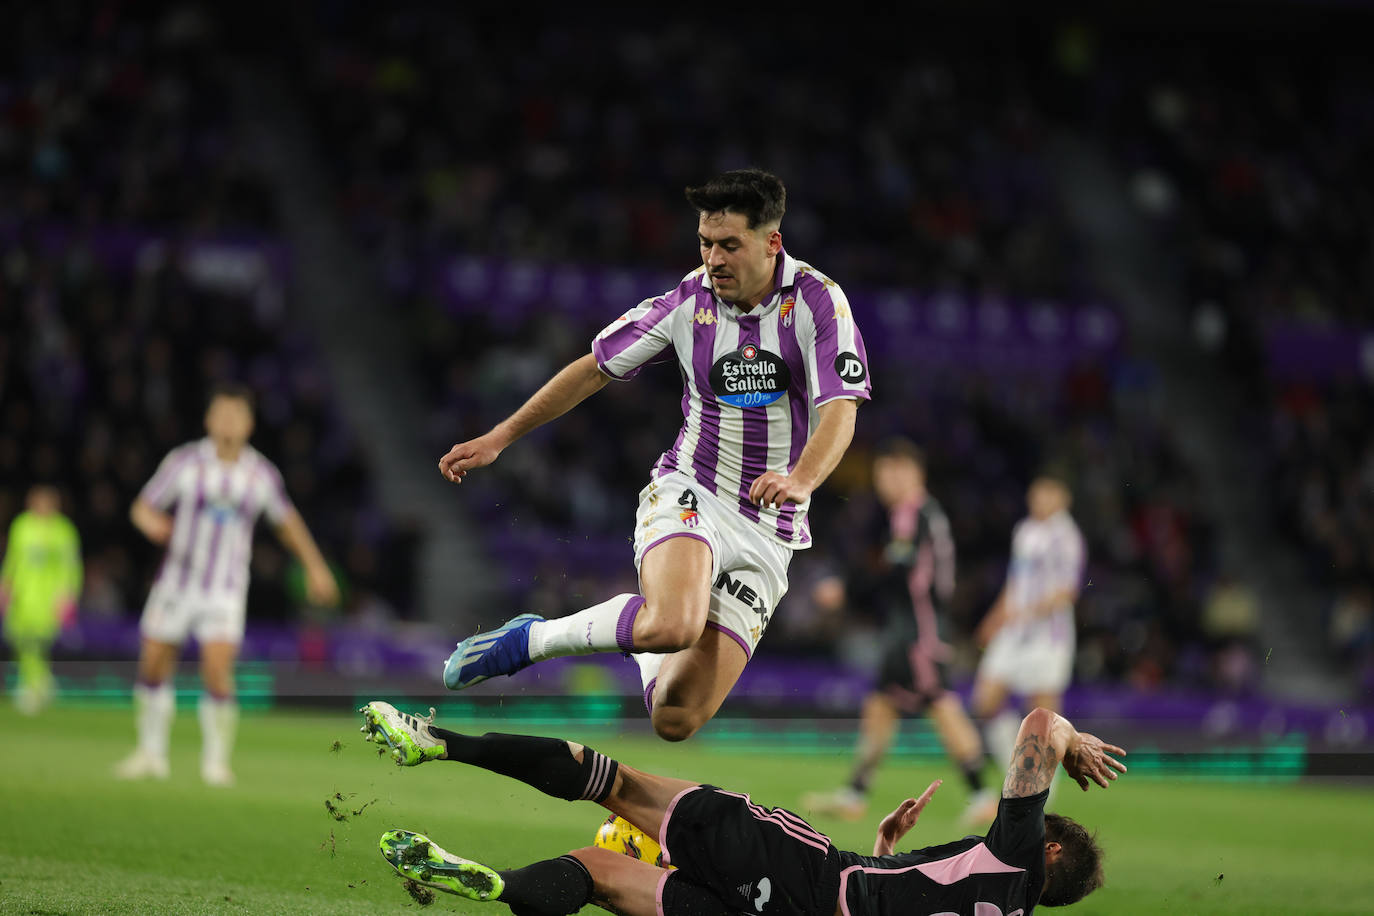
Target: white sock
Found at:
x=218, y=723
x=649, y=663
x=153, y=709
x=1001, y=733
x=604, y=627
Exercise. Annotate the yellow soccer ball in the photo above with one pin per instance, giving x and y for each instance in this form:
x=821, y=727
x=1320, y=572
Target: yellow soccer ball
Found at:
x=619, y=835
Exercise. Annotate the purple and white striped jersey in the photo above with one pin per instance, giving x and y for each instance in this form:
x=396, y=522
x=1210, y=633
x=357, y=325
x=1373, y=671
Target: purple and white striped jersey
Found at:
x=217, y=504
x=1046, y=556
x=752, y=381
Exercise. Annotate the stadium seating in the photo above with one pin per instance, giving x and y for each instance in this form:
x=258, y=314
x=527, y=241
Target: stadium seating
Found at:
x=142, y=266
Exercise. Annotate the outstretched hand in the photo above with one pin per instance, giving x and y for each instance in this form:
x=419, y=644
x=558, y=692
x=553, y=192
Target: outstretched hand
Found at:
x=1089, y=759
x=463, y=457
x=895, y=826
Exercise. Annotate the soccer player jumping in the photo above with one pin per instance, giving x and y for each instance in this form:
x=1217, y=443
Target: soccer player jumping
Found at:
x=773, y=369
x=731, y=855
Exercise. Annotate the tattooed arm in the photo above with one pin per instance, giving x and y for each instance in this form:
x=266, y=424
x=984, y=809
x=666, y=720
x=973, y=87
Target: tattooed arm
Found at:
x=1045, y=741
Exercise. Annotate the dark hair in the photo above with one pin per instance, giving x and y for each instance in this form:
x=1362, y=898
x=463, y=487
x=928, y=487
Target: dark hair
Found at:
x=1079, y=870
x=901, y=447
x=1054, y=473
x=236, y=390
x=756, y=195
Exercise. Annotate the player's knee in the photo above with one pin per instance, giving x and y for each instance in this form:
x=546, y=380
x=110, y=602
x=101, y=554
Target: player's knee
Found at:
x=666, y=633
x=676, y=723
x=218, y=683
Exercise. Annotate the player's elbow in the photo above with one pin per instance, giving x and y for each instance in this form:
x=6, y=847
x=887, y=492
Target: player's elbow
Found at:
x=1039, y=721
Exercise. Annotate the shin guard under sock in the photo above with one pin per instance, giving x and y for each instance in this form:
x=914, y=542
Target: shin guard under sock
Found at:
x=545, y=763
x=554, y=887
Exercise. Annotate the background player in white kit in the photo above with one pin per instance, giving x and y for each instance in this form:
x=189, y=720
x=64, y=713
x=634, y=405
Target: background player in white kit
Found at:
x=219, y=485
x=773, y=369
x=1029, y=631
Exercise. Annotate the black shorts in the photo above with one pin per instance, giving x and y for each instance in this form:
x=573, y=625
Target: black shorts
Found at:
x=756, y=859
x=909, y=673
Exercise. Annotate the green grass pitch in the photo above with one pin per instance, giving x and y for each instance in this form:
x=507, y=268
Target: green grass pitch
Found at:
x=73, y=840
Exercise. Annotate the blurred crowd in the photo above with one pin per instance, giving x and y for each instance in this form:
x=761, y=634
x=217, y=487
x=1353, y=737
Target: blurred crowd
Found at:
x=1251, y=156
x=913, y=160
x=580, y=150
x=121, y=304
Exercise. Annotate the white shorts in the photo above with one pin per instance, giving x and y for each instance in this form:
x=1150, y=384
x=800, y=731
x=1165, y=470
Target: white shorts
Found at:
x=171, y=615
x=748, y=568
x=1028, y=664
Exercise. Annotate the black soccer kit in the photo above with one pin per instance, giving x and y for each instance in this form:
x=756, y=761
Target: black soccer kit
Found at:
x=772, y=862
x=907, y=576
x=1001, y=874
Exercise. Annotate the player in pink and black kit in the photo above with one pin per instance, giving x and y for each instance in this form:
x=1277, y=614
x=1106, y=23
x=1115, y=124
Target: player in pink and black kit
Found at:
x=904, y=572
x=730, y=855
x=773, y=369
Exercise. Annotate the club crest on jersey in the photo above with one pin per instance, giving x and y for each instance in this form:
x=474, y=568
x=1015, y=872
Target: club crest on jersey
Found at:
x=786, y=311
x=705, y=316
x=750, y=377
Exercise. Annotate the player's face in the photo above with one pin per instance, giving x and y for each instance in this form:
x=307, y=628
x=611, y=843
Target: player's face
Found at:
x=229, y=421
x=43, y=501
x=738, y=259
x=1046, y=497
x=897, y=479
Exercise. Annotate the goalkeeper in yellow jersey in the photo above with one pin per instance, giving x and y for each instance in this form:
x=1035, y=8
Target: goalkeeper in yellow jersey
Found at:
x=39, y=584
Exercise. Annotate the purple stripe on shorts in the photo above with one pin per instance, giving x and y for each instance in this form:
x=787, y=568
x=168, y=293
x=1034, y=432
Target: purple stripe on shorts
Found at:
x=754, y=459
x=743, y=643
x=676, y=534
x=625, y=626
x=649, y=695
x=707, y=452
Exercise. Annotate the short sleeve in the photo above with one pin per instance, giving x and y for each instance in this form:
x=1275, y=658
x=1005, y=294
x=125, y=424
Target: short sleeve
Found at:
x=161, y=489
x=636, y=339
x=271, y=492
x=1068, y=557
x=841, y=360
x=1017, y=836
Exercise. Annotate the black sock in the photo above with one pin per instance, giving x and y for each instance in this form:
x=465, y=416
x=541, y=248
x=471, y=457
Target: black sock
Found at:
x=545, y=763
x=973, y=774
x=554, y=887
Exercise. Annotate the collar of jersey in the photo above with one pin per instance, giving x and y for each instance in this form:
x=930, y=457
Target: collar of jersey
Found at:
x=785, y=275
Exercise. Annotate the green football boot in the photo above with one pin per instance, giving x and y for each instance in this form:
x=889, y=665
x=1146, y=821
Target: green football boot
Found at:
x=408, y=736
x=417, y=857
